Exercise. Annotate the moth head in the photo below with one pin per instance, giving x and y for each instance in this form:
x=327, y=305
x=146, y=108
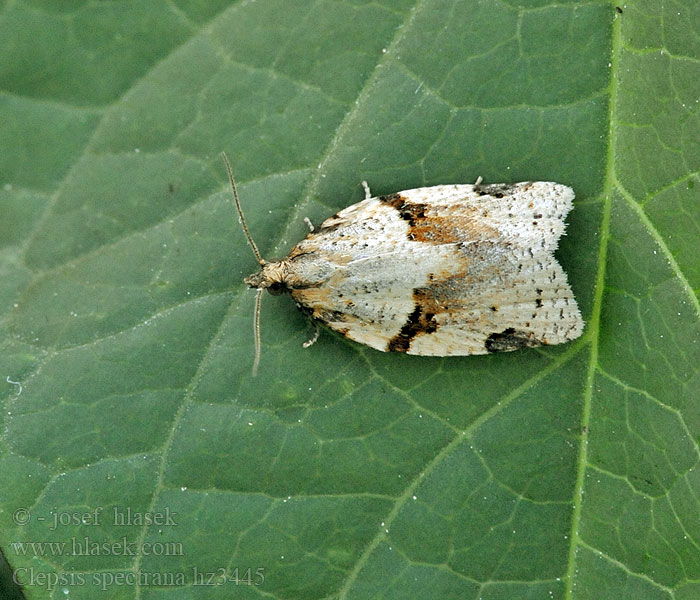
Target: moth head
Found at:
x=271, y=278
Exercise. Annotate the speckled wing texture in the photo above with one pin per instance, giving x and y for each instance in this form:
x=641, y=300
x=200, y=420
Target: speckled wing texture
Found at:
x=445, y=270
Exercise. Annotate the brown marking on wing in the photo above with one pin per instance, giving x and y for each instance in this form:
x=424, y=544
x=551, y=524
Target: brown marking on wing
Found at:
x=443, y=301
x=315, y=299
x=451, y=229
x=412, y=212
x=440, y=296
x=511, y=339
x=460, y=224
x=420, y=321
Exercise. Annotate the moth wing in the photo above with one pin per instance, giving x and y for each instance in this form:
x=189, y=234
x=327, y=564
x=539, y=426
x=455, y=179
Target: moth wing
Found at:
x=535, y=307
x=529, y=215
x=447, y=270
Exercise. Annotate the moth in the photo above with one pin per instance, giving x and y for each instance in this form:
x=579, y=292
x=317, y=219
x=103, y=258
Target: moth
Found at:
x=436, y=271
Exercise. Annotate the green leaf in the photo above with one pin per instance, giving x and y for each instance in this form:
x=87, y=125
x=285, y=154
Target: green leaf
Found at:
x=126, y=339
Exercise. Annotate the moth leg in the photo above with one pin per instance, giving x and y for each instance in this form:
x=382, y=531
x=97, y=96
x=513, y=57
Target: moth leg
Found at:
x=309, y=224
x=365, y=187
x=312, y=340
x=477, y=183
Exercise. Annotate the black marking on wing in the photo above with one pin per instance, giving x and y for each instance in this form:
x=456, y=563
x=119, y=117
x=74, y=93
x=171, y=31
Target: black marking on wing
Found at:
x=538, y=300
x=408, y=211
x=497, y=190
x=420, y=321
x=510, y=339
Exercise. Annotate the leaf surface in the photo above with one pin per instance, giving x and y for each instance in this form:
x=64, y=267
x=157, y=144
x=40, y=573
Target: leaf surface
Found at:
x=126, y=339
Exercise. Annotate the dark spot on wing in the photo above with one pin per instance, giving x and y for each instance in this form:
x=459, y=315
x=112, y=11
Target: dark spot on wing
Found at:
x=408, y=211
x=420, y=321
x=497, y=190
x=510, y=339
x=395, y=200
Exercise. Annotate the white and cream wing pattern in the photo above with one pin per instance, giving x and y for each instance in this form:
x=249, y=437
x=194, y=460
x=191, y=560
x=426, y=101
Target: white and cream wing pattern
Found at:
x=445, y=270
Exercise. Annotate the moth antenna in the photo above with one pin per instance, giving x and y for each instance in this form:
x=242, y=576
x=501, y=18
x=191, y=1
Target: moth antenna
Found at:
x=256, y=329
x=241, y=217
